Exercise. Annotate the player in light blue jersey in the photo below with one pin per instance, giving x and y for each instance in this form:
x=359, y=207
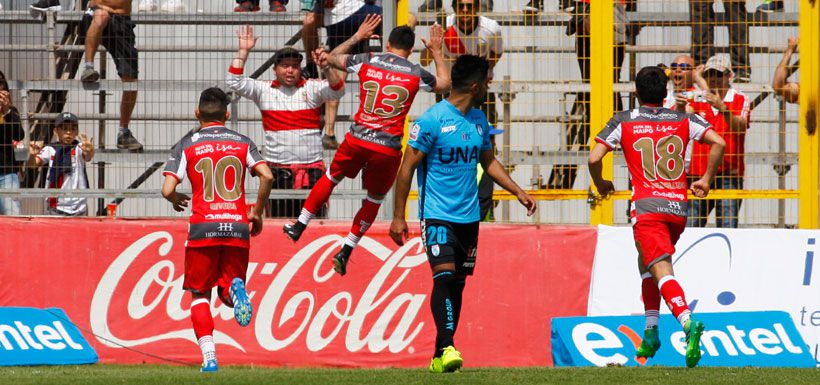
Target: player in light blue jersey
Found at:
x=446, y=144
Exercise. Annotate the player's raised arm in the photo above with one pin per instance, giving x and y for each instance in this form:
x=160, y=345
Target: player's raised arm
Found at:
x=338, y=57
x=717, y=145
x=434, y=49
x=499, y=175
x=411, y=160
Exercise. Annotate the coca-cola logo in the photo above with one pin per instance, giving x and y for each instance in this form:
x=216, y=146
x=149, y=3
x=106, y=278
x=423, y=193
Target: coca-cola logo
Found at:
x=297, y=299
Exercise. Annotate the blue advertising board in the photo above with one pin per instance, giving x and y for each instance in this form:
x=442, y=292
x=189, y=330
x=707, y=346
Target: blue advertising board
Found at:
x=764, y=339
x=30, y=336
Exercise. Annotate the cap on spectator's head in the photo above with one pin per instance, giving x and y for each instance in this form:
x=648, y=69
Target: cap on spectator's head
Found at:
x=719, y=63
x=287, y=53
x=66, y=117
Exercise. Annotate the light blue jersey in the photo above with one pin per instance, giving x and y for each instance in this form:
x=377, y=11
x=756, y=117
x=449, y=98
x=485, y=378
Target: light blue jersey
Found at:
x=452, y=143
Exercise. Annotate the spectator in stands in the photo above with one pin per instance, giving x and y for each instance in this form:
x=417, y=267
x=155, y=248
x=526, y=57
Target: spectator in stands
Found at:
x=702, y=16
x=109, y=22
x=341, y=19
x=789, y=91
x=683, y=84
x=290, y=108
x=11, y=132
x=770, y=6
x=468, y=33
x=66, y=159
x=253, y=5
x=727, y=110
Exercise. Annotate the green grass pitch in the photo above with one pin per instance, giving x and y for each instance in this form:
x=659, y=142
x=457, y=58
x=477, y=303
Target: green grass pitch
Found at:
x=179, y=375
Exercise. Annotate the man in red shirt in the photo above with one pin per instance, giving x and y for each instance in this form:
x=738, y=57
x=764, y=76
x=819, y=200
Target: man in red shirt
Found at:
x=388, y=85
x=653, y=140
x=216, y=253
x=727, y=110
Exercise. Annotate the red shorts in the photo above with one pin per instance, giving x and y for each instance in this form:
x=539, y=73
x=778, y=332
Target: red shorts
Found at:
x=378, y=169
x=655, y=238
x=209, y=266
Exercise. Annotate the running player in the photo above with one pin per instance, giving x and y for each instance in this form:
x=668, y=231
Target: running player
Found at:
x=653, y=140
x=388, y=85
x=216, y=253
x=448, y=141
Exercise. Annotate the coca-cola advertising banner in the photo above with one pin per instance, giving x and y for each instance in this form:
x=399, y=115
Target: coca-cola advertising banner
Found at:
x=120, y=281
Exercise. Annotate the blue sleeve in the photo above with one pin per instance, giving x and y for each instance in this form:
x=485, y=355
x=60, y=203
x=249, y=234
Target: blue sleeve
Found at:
x=486, y=144
x=424, y=133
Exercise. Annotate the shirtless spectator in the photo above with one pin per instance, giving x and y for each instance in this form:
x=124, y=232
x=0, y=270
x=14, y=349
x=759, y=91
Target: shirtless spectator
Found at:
x=108, y=22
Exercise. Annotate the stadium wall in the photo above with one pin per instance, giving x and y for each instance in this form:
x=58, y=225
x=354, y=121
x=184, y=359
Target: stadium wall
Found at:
x=120, y=281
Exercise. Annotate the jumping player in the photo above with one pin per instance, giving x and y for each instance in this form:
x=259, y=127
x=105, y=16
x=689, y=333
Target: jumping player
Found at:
x=448, y=141
x=216, y=253
x=388, y=85
x=653, y=140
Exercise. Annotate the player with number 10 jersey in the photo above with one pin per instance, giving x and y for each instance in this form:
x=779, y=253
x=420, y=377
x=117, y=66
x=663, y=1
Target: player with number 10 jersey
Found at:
x=388, y=85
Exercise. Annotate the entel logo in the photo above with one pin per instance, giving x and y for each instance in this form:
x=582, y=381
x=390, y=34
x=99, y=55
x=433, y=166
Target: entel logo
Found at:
x=590, y=338
x=44, y=336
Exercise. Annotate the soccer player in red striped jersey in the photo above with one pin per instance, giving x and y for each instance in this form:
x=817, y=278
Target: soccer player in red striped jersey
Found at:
x=388, y=84
x=216, y=253
x=653, y=140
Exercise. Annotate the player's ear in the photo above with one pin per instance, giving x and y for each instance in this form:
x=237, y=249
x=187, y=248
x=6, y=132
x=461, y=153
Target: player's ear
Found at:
x=197, y=113
x=227, y=115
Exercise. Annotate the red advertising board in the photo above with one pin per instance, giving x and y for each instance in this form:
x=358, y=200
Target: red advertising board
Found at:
x=120, y=281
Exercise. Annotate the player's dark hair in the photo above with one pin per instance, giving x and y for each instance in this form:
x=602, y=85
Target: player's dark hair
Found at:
x=213, y=104
x=402, y=37
x=454, y=4
x=650, y=84
x=468, y=70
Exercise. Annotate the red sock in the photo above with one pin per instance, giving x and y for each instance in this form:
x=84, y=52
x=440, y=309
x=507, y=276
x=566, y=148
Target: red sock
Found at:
x=319, y=194
x=674, y=297
x=201, y=318
x=651, y=300
x=364, y=218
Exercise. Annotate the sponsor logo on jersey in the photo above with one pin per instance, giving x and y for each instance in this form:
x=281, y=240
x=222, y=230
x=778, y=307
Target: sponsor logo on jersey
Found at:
x=447, y=129
x=458, y=155
x=223, y=216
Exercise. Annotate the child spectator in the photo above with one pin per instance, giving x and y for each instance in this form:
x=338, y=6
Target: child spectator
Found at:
x=66, y=160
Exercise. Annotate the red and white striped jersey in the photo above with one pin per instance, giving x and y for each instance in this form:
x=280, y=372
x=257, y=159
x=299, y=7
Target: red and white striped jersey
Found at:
x=290, y=115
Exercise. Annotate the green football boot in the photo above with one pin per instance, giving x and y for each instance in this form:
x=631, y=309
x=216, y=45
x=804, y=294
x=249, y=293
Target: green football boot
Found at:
x=451, y=359
x=694, y=330
x=435, y=366
x=650, y=343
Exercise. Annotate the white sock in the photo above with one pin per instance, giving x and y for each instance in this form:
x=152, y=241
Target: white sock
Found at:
x=206, y=344
x=651, y=318
x=89, y=64
x=683, y=317
x=305, y=217
x=352, y=240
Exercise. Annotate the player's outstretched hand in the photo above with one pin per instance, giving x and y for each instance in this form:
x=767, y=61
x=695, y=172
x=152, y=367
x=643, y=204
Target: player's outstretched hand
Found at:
x=700, y=188
x=605, y=188
x=398, y=231
x=436, y=39
x=246, y=39
x=369, y=26
x=181, y=202
x=256, y=223
x=527, y=201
